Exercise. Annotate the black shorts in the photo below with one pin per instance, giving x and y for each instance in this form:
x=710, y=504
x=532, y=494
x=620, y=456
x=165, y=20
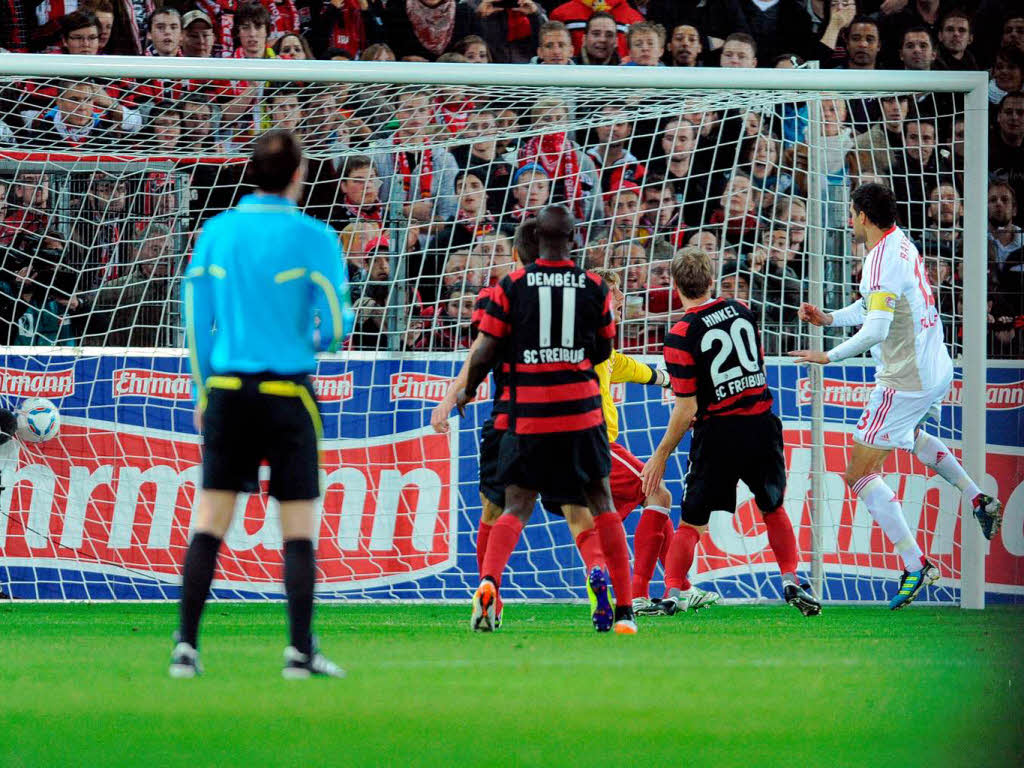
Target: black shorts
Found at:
x=494, y=490
x=490, y=442
x=252, y=418
x=726, y=450
x=559, y=466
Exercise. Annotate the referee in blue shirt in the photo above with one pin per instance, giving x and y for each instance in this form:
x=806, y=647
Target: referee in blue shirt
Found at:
x=265, y=291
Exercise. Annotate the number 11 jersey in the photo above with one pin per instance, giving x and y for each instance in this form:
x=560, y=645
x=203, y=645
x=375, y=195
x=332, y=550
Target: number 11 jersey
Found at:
x=714, y=354
x=553, y=314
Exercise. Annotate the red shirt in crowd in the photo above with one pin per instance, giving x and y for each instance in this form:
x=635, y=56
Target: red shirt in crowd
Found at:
x=575, y=14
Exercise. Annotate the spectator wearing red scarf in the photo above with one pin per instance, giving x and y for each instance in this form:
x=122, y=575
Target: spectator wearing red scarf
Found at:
x=427, y=28
x=471, y=218
x=572, y=173
x=282, y=17
x=244, y=116
x=575, y=13
x=511, y=34
x=416, y=174
x=343, y=25
x=360, y=193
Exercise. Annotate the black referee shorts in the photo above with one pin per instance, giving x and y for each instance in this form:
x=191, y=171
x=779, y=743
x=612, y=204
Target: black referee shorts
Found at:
x=727, y=449
x=558, y=465
x=251, y=418
x=494, y=489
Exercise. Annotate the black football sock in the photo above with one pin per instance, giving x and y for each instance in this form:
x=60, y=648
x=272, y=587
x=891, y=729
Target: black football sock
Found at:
x=200, y=561
x=299, y=576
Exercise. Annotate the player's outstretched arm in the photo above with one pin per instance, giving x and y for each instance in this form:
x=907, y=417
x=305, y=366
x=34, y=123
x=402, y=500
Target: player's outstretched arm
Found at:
x=811, y=314
x=874, y=329
x=439, y=416
x=481, y=360
x=841, y=318
x=683, y=411
x=627, y=369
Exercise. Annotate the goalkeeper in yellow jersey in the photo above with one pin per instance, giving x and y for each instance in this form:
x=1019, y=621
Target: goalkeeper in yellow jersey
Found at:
x=654, y=531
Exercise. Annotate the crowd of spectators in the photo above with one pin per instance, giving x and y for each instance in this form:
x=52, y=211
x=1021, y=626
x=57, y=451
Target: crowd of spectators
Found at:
x=426, y=185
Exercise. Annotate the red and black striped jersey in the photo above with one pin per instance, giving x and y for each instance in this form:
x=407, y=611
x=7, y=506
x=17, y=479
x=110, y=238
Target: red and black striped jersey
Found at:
x=499, y=409
x=714, y=354
x=479, y=309
x=557, y=324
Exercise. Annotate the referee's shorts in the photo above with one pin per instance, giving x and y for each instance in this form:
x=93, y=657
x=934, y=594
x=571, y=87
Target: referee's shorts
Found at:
x=251, y=418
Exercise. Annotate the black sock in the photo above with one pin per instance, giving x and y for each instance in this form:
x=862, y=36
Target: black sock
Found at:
x=200, y=560
x=299, y=576
x=623, y=612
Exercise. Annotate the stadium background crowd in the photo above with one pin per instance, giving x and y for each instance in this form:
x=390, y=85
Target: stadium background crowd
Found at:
x=91, y=253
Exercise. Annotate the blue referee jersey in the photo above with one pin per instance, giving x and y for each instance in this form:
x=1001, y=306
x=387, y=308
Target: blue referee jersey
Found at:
x=264, y=292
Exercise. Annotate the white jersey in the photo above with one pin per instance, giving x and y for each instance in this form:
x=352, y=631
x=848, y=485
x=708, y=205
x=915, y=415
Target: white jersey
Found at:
x=914, y=355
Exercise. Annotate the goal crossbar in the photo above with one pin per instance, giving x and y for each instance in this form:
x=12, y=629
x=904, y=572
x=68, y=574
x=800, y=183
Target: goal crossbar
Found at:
x=280, y=70
x=972, y=84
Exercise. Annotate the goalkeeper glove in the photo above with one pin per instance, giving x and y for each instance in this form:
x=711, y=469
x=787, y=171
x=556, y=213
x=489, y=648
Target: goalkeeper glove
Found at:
x=661, y=378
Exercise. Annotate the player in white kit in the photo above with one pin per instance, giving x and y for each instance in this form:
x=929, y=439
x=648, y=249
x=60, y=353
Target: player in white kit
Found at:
x=897, y=312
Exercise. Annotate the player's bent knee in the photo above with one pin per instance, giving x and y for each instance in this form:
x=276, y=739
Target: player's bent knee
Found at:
x=519, y=502
x=491, y=511
x=577, y=516
x=700, y=529
x=852, y=475
x=661, y=497
x=599, y=497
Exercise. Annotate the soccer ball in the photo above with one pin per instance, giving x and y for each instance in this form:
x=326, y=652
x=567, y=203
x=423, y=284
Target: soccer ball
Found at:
x=38, y=420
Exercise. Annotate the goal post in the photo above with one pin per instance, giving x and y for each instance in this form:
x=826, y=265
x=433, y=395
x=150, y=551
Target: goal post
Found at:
x=400, y=507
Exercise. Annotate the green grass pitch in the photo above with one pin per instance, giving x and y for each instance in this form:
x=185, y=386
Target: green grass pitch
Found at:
x=86, y=685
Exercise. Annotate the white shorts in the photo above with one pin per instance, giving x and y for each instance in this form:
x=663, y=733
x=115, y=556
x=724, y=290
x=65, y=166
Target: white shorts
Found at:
x=891, y=416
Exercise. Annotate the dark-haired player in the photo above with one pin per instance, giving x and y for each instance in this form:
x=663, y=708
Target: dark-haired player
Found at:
x=492, y=490
x=716, y=365
x=551, y=323
x=264, y=292
x=897, y=311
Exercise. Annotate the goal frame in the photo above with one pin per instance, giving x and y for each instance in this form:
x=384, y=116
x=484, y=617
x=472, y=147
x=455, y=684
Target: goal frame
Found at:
x=973, y=85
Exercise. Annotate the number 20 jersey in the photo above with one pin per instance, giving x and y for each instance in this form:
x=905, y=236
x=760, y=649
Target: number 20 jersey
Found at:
x=894, y=281
x=714, y=354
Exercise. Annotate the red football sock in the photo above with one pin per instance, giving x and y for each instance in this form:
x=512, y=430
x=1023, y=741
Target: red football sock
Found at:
x=680, y=557
x=781, y=540
x=616, y=551
x=669, y=531
x=503, y=539
x=647, y=544
x=590, y=549
x=483, y=533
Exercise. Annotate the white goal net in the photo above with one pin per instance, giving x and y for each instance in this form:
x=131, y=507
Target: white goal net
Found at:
x=105, y=181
